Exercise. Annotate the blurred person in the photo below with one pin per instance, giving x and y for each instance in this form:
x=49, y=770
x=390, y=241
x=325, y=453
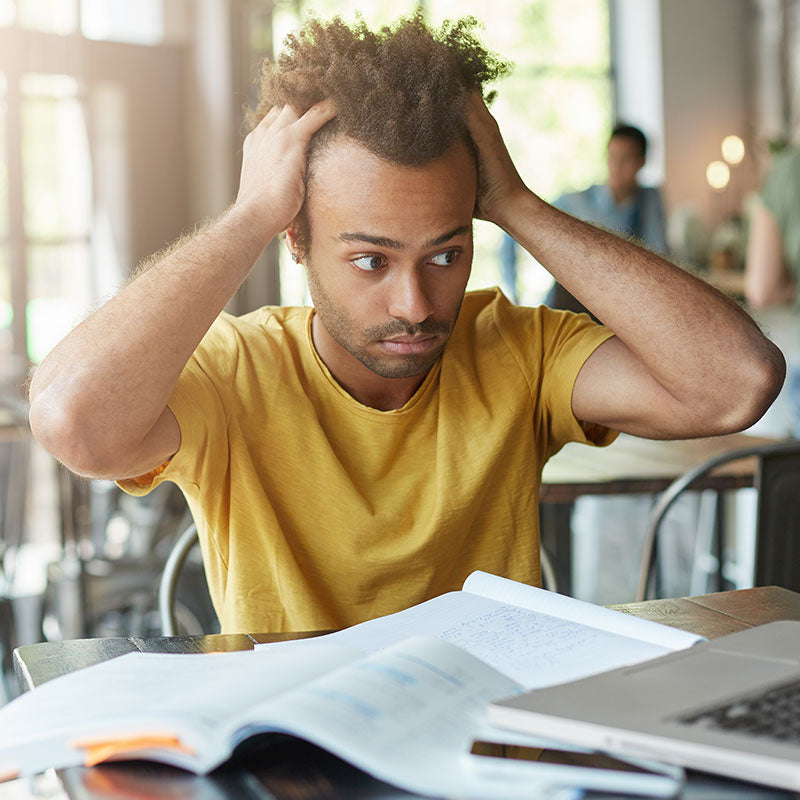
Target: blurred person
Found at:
x=349, y=460
x=620, y=204
x=773, y=254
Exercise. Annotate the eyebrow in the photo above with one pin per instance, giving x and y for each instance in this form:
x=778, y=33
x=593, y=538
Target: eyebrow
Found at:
x=394, y=244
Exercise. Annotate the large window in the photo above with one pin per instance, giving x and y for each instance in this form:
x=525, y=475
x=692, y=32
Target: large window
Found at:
x=6, y=312
x=57, y=202
x=555, y=108
x=62, y=114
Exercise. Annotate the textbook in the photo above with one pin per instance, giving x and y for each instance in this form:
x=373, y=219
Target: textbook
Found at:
x=401, y=697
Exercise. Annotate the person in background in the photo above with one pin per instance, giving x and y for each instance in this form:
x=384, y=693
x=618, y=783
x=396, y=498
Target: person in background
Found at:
x=773, y=253
x=620, y=204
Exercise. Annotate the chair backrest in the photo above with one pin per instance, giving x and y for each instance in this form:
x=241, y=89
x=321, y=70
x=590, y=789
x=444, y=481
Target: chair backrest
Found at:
x=168, y=585
x=778, y=544
x=777, y=481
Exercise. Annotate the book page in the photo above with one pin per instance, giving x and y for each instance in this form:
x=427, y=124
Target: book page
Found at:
x=149, y=694
x=408, y=715
x=559, y=605
x=531, y=648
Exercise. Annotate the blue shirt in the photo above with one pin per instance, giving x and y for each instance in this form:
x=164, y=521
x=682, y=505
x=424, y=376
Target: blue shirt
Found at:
x=642, y=216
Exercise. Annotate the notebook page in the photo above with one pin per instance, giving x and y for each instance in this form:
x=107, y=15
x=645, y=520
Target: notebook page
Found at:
x=530, y=647
x=559, y=605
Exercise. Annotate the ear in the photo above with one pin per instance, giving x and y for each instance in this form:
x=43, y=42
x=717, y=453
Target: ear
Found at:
x=291, y=242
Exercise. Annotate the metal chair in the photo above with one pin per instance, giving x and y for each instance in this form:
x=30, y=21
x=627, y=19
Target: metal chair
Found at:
x=777, y=482
x=168, y=585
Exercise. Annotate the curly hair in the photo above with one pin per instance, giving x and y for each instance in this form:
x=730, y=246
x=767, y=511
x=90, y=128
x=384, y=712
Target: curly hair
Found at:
x=401, y=92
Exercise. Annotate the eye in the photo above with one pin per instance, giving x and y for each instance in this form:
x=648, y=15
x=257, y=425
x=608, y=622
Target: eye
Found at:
x=443, y=259
x=368, y=263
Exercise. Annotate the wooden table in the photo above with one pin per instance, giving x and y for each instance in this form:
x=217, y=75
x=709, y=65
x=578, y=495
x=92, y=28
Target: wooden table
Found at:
x=291, y=770
x=630, y=465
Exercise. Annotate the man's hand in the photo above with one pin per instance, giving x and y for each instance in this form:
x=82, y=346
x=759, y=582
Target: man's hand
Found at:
x=685, y=361
x=499, y=182
x=272, y=183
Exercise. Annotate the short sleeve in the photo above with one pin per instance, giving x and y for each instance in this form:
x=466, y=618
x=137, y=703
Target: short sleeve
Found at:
x=552, y=346
x=569, y=341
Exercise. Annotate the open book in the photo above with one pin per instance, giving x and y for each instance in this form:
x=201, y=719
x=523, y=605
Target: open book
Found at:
x=406, y=712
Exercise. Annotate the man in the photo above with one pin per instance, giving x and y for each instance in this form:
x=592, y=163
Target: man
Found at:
x=620, y=204
x=351, y=460
x=773, y=252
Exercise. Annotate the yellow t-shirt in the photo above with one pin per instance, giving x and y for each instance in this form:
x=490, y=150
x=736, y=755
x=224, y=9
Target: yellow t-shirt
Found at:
x=315, y=511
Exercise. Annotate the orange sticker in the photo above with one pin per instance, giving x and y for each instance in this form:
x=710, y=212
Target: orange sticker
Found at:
x=103, y=750
x=9, y=774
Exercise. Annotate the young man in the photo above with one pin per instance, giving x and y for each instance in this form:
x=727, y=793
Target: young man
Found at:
x=620, y=204
x=354, y=459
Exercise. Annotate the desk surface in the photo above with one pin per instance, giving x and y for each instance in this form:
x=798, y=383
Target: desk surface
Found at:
x=633, y=465
x=296, y=770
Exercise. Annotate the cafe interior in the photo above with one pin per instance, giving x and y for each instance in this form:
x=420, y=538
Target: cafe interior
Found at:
x=121, y=127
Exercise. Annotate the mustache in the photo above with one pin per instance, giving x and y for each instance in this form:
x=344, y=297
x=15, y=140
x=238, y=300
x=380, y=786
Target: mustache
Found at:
x=397, y=327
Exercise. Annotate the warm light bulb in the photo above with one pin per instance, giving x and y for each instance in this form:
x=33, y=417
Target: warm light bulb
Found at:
x=718, y=174
x=732, y=149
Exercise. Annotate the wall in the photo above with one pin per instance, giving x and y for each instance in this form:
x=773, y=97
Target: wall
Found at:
x=706, y=64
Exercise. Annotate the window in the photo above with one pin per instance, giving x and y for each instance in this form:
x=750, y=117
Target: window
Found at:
x=57, y=203
x=48, y=16
x=65, y=182
x=140, y=22
x=6, y=312
x=8, y=13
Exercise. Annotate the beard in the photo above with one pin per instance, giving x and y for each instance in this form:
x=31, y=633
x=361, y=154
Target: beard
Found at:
x=357, y=341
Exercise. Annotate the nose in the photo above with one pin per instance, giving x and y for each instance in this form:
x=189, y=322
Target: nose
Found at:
x=408, y=298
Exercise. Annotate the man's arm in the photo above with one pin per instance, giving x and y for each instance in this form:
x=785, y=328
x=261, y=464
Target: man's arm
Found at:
x=686, y=361
x=99, y=399
x=766, y=280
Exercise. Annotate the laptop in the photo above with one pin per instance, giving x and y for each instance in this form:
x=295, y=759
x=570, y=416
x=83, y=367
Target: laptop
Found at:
x=730, y=706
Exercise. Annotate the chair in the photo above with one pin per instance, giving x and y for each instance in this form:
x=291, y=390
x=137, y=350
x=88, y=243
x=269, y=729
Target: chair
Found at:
x=168, y=585
x=184, y=602
x=777, y=482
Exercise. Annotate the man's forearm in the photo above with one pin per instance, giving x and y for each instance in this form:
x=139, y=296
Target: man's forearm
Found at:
x=687, y=334
x=103, y=388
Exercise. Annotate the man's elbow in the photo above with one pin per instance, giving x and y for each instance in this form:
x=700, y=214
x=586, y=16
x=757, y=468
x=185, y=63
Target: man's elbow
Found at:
x=63, y=430
x=757, y=385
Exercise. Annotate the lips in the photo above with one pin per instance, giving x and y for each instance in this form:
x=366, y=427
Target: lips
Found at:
x=409, y=345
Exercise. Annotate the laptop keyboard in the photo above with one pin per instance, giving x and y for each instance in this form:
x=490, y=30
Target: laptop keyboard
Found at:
x=773, y=713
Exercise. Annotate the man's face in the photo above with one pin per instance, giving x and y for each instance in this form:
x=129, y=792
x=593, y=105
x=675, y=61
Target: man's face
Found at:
x=624, y=161
x=389, y=258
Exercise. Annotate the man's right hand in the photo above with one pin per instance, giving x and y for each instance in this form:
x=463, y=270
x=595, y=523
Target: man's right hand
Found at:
x=272, y=183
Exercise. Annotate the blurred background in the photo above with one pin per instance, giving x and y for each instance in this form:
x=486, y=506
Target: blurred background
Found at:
x=121, y=126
